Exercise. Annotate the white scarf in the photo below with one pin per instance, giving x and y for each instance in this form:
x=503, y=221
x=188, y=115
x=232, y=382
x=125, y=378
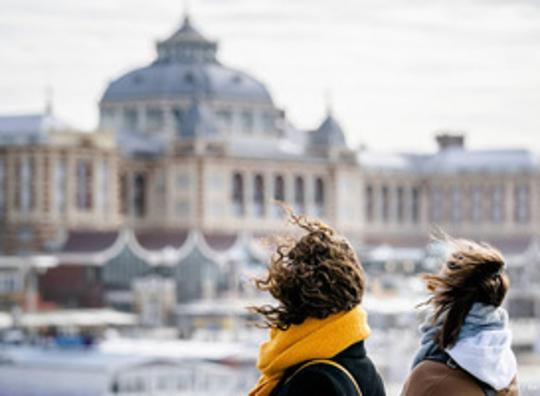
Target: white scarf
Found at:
x=483, y=348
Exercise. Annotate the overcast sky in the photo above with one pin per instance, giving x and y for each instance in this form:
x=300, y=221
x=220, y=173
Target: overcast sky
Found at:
x=397, y=70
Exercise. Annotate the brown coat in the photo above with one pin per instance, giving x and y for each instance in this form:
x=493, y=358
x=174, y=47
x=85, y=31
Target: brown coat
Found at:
x=438, y=379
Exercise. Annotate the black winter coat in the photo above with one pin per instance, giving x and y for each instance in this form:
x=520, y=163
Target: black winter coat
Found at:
x=326, y=380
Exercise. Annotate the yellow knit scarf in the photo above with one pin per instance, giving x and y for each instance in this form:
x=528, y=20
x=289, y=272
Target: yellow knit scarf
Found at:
x=313, y=339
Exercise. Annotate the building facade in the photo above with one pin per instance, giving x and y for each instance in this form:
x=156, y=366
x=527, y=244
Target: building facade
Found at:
x=187, y=146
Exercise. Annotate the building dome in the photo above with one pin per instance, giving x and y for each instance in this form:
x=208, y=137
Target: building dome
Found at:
x=186, y=67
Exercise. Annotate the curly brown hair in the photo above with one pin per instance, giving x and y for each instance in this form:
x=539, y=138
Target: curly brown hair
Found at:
x=473, y=272
x=315, y=276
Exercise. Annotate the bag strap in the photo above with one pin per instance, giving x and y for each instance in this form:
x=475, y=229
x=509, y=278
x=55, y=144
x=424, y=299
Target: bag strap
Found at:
x=329, y=363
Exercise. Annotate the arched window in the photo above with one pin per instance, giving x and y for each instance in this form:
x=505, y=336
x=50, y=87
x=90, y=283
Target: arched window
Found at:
x=84, y=184
x=415, y=204
x=139, y=194
x=104, y=189
x=299, y=195
x=279, y=188
x=279, y=193
x=456, y=204
x=436, y=204
x=60, y=185
x=369, y=203
x=258, y=196
x=521, y=204
x=320, y=197
x=154, y=119
x=17, y=182
x=238, y=194
x=124, y=194
x=385, y=207
x=497, y=204
x=400, y=210
x=2, y=187
x=131, y=119
x=247, y=121
x=476, y=204
x=27, y=184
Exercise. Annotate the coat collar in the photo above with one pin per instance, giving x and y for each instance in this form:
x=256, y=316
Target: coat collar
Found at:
x=356, y=351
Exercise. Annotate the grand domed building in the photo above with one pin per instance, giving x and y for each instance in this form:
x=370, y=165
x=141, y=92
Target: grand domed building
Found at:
x=187, y=94
x=206, y=147
x=180, y=178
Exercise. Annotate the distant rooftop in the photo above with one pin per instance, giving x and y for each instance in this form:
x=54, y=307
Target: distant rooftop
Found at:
x=453, y=157
x=28, y=128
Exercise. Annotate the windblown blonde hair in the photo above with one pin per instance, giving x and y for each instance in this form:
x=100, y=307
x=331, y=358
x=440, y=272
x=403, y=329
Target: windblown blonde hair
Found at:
x=473, y=272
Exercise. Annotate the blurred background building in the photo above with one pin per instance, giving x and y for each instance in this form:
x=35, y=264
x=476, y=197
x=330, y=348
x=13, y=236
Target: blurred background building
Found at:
x=162, y=214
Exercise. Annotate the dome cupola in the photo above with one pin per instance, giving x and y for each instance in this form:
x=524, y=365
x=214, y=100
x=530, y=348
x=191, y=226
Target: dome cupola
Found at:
x=187, y=45
x=186, y=66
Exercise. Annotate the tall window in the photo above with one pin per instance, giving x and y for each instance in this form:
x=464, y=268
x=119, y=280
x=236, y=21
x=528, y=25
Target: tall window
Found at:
x=124, y=194
x=27, y=191
x=104, y=186
x=385, y=204
x=17, y=183
x=369, y=203
x=320, y=197
x=2, y=187
x=154, y=118
x=279, y=193
x=299, y=195
x=497, y=204
x=60, y=185
x=46, y=167
x=436, y=204
x=521, y=204
x=268, y=122
x=400, y=210
x=415, y=204
x=258, y=195
x=238, y=195
x=84, y=185
x=131, y=119
x=476, y=204
x=247, y=122
x=107, y=117
x=457, y=203
x=139, y=194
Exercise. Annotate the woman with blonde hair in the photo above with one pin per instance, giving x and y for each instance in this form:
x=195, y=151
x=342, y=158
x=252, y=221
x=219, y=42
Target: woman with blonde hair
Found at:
x=317, y=330
x=466, y=343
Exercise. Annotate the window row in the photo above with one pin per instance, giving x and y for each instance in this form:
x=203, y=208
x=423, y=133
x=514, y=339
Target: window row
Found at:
x=481, y=204
x=134, y=194
x=261, y=193
x=85, y=176
x=397, y=204
x=476, y=204
x=154, y=118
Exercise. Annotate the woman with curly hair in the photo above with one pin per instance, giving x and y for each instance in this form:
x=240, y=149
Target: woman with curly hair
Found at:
x=318, y=328
x=466, y=343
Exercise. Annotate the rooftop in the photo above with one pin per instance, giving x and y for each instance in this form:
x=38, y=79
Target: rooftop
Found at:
x=28, y=128
x=186, y=66
x=452, y=161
